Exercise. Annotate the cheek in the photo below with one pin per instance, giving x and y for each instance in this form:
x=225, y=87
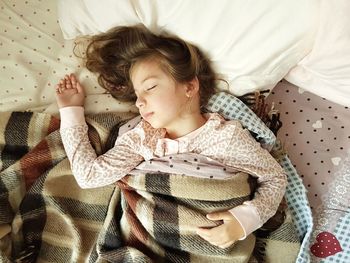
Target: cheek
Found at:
x=174, y=100
x=165, y=99
x=169, y=100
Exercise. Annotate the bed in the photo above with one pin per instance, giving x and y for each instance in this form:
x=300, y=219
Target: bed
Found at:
x=308, y=84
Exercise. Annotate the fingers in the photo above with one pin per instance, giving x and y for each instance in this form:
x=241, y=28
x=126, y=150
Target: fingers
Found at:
x=204, y=233
x=60, y=87
x=73, y=79
x=226, y=245
x=208, y=232
x=76, y=84
x=69, y=82
x=213, y=237
x=224, y=235
x=63, y=85
x=219, y=216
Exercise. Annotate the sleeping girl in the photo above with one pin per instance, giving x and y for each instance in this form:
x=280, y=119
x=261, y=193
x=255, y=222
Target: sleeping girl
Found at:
x=170, y=81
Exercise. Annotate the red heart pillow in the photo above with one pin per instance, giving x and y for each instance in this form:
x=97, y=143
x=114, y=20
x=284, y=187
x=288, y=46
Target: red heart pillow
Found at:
x=327, y=245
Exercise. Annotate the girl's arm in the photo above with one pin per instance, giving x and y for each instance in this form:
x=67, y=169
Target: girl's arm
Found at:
x=246, y=154
x=89, y=169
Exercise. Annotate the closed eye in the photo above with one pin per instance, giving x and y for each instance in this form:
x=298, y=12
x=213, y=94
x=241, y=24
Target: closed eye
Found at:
x=152, y=87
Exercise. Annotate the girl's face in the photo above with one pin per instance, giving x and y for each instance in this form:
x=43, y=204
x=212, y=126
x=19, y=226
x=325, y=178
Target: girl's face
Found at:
x=161, y=101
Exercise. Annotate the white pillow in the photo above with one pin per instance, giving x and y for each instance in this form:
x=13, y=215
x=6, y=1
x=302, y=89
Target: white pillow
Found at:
x=253, y=44
x=89, y=17
x=326, y=70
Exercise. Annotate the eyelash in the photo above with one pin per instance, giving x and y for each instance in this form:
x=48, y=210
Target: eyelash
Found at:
x=152, y=87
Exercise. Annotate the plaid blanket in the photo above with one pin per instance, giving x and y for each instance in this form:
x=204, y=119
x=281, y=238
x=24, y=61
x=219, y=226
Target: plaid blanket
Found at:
x=160, y=212
x=45, y=216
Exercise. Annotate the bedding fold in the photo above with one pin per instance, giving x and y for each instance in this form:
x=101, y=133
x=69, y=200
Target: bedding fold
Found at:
x=161, y=211
x=148, y=217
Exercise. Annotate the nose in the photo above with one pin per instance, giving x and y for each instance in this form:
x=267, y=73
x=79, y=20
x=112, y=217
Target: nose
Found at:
x=140, y=102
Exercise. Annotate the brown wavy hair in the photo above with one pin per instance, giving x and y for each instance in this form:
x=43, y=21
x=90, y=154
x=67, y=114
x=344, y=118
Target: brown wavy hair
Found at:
x=113, y=54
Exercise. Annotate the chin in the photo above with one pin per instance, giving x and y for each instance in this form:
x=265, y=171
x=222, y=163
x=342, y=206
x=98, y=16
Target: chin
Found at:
x=156, y=124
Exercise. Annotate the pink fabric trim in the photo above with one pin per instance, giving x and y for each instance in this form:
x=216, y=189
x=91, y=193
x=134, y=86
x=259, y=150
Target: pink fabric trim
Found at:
x=72, y=116
x=248, y=217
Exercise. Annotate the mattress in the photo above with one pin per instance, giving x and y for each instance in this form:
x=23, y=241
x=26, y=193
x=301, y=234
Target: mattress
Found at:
x=34, y=56
x=315, y=132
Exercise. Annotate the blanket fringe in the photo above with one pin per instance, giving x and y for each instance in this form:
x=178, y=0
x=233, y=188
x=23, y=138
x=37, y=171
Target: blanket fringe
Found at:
x=28, y=255
x=268, y=114
x=256, y=101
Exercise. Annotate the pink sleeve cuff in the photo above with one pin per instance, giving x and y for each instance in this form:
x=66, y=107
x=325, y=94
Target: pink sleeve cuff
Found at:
x=248, y=217
x=72, y=116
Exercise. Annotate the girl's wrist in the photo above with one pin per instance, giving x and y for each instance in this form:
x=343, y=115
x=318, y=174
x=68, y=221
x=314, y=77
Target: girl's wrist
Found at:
x=61, y=106
x=72, y=116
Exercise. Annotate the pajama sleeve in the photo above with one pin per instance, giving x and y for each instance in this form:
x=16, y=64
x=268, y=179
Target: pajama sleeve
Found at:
x=90, y=170
x=247, y=155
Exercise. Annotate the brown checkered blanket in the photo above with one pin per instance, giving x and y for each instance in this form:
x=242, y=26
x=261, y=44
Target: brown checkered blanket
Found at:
x=46, y=217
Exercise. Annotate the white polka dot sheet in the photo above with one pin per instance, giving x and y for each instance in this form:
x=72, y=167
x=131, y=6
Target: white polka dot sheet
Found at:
x=34, y=56
x=315, y=132
x=316, y=135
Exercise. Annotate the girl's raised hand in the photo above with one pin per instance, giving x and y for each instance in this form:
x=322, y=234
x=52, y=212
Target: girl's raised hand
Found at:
x=224, y=235
x=69, y=92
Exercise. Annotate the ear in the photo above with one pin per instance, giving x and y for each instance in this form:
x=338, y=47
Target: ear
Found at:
x=192, y=87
